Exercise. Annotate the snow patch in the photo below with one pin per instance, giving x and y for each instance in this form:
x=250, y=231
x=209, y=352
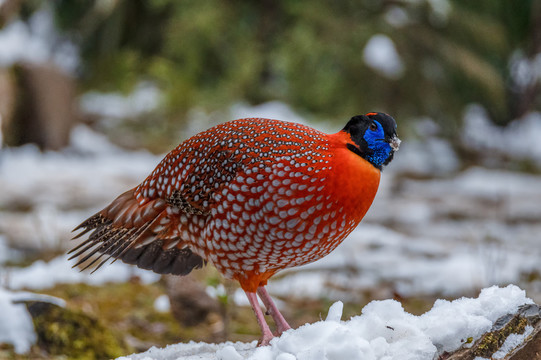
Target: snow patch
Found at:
x=519, y=139
x=16, y=325
x=525, y=71
x=44, y=275
x=396, y=16
x=162, y=304
x=271, y=110
x=57, y=186
x=37, y=41
x=145, y=98
x=381, y=55
x=511, y=342
x=383, y=331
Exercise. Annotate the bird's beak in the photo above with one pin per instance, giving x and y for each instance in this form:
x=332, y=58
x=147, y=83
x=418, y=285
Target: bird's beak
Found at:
x=395, y=143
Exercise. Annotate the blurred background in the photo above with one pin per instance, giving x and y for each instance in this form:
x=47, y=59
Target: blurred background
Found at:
x=94, y=93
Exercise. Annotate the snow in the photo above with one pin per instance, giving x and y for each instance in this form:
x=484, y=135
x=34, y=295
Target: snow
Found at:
x=37, y=41
x=519, y=140
x=440, y=9
x=63, y=188
x=335, y=312
x=525, y=71
x=162, y=304
x=44, y=275
x=381, y=55
x=200, y=120
x=16, y=325
x=383, y=331
x=512, y=342
x=270, y=110
x=396, y=17
x=143, y=99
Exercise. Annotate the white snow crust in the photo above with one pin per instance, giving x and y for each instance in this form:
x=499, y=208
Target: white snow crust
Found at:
x=384, y=331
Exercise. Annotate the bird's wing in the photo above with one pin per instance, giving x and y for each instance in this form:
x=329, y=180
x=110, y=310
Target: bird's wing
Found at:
x=144, y=225
x=188, y=177
x=129, y=231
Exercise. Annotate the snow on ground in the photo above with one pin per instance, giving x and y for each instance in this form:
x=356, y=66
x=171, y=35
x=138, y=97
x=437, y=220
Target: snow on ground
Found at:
x=62, y=189
x=520, y=139
x=15, y=322
x=44, y=275
x=143, y=99
x=383, y=331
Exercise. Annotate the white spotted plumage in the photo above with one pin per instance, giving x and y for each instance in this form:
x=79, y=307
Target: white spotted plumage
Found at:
x=256, y=179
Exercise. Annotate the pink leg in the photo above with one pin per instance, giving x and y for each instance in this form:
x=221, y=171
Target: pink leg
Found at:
x=281, y=323
x=267, y=334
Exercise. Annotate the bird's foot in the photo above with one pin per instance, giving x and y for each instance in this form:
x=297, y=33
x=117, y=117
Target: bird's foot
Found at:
x=282, y=327
x=265, y=339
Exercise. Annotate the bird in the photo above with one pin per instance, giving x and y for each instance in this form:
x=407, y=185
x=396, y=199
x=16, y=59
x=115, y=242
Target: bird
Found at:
x=250, y=196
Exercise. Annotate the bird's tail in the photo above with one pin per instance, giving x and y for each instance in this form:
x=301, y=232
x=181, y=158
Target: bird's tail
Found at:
x=136, y=234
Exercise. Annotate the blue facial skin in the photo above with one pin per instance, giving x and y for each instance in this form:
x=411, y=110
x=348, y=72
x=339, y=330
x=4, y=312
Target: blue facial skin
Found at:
x=376, y=142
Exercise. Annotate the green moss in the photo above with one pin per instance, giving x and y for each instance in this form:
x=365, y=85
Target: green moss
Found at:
x=74, y=334
x=126, y=308
x=493, y=340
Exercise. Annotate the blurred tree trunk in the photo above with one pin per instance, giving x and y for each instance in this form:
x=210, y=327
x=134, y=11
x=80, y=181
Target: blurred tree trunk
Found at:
x=8, y=91
x=45, y=111
x=527, y=99
x=8, y=9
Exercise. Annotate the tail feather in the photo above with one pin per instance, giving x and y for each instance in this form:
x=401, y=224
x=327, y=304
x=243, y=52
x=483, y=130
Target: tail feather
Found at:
x=135, y=234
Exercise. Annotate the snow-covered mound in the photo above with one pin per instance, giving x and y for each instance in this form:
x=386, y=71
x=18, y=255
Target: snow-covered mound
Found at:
x=16, y=326
x=383, y=331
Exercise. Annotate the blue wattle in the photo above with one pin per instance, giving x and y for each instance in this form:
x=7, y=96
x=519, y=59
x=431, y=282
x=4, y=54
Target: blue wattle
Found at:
x=380, y=148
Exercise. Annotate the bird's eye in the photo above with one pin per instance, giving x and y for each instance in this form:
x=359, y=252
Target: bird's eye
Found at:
x=373, y=127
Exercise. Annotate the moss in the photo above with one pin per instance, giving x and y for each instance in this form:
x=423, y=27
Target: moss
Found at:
x=127, y=308
x=492, y=341
x=73, y=334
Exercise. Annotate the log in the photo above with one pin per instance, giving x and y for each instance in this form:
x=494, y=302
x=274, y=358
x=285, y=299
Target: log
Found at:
x=527, y=321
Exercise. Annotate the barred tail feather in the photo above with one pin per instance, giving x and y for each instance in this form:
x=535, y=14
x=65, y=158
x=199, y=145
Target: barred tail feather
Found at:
x=135, y=234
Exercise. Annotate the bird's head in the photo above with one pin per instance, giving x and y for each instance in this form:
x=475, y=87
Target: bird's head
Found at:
x=374, y=137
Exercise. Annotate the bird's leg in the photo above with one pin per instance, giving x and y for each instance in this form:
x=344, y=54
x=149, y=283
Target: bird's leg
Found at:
x=267, y=334
x=281, y=323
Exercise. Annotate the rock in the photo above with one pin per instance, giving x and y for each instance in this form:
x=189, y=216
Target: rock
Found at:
x=45, y=111
x=190, y=303
x=527, y=318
